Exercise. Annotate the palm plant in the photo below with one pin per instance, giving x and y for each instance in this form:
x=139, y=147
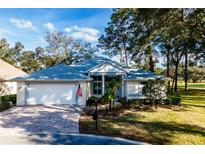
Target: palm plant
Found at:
x=111, y=89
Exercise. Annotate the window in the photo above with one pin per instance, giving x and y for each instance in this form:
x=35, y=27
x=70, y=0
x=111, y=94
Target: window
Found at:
x=97, y=85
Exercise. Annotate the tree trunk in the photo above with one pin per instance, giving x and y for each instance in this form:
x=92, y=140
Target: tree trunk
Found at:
x=121, y=56
x=172, y=84
x=151, y=63
x=110, y=105
x=168, y=75
x=176, y=77
x=126, y=58
x=124, y=46
x=185, y=71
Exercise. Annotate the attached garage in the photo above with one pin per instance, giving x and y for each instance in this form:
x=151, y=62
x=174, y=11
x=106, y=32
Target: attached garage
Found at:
x=53, y=93
x=47, y=87
x=45, y=93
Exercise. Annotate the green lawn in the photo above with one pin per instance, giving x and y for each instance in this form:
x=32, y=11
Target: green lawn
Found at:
x=192, y=85
x=183, y=124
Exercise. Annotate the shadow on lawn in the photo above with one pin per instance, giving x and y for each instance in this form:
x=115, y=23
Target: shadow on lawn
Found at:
x=192, y=92
x=194, y=105
x=129, y=126
x=161, y=132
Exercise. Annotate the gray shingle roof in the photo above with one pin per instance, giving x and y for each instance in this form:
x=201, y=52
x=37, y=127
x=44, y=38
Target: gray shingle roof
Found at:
x=57, y=72
x=74, y=71
x=85, y=66
x=142, y=75
x=77, y=71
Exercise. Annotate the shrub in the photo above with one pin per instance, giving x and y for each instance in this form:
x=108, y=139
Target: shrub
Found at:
x=135, y=101
x=91, y=101
x=175, y=99
x=123, y=101
x=9, y=98
x=167, y=101
x=158, y=101
x=154, y=90
x=103, y=100
x=5, y=106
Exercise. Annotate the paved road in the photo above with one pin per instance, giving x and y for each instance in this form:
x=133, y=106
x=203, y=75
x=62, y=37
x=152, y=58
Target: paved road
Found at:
x=65, y=139
x=40, y=119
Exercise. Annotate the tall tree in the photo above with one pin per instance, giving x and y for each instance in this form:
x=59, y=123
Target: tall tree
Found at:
x=5, y=51
x=117, y=38
x=66, y=49
x=159, y=22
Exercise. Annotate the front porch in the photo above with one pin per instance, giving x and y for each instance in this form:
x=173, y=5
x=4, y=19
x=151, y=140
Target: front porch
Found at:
x=99, y=88
x=131, y=82
x=128, y=89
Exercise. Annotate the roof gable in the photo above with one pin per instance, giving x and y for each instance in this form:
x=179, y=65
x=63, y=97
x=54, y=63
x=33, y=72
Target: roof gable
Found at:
x=107, y=68
x=8, y=71
x=87, y=65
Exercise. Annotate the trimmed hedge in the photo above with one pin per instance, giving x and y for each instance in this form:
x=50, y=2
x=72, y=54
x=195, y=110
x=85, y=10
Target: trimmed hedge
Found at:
x=167, y=101
x=176, y=100
x=170, y=100
x=5, y=106
x=9, y=98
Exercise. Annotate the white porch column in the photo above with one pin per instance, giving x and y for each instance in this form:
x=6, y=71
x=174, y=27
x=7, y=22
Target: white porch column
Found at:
x=103, y=84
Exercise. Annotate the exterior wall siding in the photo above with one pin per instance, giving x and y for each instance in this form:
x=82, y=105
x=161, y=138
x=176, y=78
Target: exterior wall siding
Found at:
x=134, y=90
x=21, y=94
x=82, y=100
x=106, y=69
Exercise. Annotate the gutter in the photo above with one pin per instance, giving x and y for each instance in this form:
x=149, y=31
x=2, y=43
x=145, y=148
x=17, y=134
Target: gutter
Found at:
x=145, y=79
x=51, y=80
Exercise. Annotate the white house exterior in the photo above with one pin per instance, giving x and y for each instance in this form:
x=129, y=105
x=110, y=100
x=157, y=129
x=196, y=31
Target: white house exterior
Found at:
x=7, y=72
x=59, y=84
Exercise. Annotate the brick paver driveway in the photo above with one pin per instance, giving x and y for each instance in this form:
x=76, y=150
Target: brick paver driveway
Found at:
x=40, y=120
x=48, y=125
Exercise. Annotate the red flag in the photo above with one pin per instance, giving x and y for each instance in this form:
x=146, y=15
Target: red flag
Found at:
x=79, y=91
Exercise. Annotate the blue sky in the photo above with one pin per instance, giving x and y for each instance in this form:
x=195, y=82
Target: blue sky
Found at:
x=30, y=25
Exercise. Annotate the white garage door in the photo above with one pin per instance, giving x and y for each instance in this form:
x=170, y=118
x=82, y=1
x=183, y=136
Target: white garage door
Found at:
x=55, y=93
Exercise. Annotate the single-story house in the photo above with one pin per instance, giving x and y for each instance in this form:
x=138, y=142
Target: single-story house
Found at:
x=59, y=84
x=7, y=72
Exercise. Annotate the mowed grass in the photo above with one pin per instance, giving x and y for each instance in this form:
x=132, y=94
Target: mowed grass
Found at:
x=183, y=124
x=200, y=85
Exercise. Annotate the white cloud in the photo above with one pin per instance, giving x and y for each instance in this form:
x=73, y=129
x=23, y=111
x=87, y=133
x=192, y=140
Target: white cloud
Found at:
x=84, y=33
x=5, y=32
x=68, y=30
x=49, y=26
x=21, y=23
